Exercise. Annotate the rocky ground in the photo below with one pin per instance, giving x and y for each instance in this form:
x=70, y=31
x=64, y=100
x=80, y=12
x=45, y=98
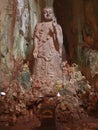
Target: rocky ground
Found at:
x=75, y=107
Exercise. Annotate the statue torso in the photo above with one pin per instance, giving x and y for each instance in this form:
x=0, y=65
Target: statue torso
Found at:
x=45, y=36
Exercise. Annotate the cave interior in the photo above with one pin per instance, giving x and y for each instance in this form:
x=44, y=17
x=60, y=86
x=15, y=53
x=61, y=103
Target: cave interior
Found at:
x=75, y=105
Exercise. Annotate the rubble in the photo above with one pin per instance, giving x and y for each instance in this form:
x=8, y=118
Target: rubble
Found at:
x=74, y=100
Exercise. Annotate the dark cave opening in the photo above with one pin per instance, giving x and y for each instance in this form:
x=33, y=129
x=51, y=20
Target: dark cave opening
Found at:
x=63, y=12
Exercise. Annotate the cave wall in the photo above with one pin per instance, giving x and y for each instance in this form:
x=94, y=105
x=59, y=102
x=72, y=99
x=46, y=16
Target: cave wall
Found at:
x=17, y=21
x=79, y=21
x=73, y=16
x=70, y=16
x=19, y=17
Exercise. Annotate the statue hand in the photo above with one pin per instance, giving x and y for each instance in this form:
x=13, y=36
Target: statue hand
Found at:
x=54, y=24
x=60, y=52
x=55, y=27
x=35, y=54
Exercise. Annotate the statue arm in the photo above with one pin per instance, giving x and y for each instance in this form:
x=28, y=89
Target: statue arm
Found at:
x=58, y=36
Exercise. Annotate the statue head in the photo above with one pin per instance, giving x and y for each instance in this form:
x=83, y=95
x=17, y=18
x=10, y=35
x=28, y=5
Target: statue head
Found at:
x=48, y=14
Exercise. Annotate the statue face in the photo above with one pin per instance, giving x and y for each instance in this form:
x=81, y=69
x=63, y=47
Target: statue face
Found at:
x=48, y=14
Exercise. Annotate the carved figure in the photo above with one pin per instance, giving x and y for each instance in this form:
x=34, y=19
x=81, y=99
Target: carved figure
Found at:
x=48, y=40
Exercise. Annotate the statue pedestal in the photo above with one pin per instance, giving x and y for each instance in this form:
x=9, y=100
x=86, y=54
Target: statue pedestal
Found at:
x=44, y=89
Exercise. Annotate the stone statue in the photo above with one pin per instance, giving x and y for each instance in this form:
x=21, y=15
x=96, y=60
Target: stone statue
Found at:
x=48, y=42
